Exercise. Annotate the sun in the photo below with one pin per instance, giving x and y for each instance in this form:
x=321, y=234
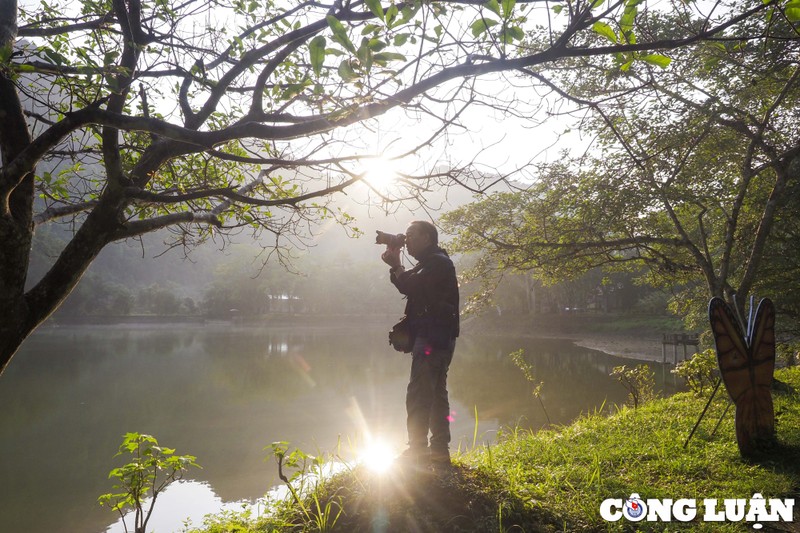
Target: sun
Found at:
x=377, y=456
x=380, y=172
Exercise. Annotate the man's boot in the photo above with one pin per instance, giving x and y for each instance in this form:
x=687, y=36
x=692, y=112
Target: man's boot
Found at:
x=440, y=458
x=416, y=458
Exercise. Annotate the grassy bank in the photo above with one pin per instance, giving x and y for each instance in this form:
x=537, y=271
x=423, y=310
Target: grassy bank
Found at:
x=555, y=480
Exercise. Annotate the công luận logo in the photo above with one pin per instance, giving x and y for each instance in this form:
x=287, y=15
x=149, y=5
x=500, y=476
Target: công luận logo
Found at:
x=754, y=510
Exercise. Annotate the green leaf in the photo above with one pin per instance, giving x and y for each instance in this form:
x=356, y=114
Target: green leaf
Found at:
x=390, y=15
x=375, y=7
x=408, y=13
x=364, y=55
x=657, y=60
x=792, y=11
x=605, y=30
x=627, y=19
x=390, y=56
x=376, y=45
x=346, y=71
x=58, y=58
x=480, y=26
x=400, y=39
x=516, y=33
x=340, y=33
x=5, y=53
x=557, y=9
x=493, y=6
x=508, y=7
x=370, y=28
x=316, y=49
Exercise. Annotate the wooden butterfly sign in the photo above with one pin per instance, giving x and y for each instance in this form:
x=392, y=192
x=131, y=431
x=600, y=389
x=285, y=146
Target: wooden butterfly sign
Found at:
x=746, y=363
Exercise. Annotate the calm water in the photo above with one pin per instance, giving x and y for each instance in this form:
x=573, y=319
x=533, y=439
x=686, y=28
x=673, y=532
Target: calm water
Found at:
x=223, y=393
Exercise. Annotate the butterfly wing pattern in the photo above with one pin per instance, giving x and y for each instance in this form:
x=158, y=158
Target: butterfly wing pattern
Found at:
x=747, y=365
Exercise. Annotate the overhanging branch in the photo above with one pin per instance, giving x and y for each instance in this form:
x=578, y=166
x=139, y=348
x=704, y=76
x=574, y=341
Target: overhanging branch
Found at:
x=140, y=227
x=52, y=213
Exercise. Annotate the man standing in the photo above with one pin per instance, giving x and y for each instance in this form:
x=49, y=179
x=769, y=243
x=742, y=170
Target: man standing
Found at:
x=432, y=308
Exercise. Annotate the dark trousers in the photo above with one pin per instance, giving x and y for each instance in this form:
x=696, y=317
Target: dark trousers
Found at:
x=427, y=405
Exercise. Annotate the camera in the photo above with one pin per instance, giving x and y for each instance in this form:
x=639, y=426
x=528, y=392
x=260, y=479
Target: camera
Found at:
x=392, y=241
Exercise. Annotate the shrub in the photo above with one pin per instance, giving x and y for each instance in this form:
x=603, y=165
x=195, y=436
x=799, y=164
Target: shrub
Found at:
x=699, y=371
x=639, y=381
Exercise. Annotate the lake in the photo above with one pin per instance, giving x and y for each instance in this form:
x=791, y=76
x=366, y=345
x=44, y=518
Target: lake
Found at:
x=224, y=392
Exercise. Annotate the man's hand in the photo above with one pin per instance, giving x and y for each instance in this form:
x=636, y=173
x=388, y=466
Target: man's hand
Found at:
x=392, y=257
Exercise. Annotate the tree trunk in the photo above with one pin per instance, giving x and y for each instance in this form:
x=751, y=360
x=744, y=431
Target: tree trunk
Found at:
x=21, y=313
x=13, y=270
x=16, y=205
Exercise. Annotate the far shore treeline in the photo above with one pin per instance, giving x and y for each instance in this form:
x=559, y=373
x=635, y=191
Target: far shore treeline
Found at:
x=340, y=276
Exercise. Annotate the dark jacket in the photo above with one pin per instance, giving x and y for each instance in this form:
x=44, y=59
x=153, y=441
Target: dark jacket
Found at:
x=432, y=291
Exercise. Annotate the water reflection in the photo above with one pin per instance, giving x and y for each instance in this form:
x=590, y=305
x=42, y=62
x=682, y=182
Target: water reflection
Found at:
x=223, y=393
x=188, y=502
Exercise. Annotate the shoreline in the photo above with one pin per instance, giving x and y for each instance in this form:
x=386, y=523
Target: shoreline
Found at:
x=630, y=347
x=602, y=333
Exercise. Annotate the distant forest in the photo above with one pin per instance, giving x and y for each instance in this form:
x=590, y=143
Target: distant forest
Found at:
x=334, y=273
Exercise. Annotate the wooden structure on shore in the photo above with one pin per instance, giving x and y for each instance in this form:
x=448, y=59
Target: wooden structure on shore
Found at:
x=675, y=340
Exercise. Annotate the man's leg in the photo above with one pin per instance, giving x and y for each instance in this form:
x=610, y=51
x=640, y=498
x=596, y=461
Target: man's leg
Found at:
x=439, y=418
x=419, y=397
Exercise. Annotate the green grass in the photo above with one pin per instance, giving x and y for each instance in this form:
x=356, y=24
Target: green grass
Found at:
x=555, y=480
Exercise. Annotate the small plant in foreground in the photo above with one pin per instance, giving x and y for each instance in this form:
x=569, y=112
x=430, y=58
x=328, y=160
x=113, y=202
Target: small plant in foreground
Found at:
x=519, y=360
x=698, y=372
x=639, y=380
x=325, y=512
x=151, y=469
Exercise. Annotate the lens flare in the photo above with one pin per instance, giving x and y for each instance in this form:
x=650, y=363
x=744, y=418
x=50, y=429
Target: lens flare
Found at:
x=377, y=456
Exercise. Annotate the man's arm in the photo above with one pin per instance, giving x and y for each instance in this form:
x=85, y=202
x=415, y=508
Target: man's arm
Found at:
x=422, y=282
x=391, y=256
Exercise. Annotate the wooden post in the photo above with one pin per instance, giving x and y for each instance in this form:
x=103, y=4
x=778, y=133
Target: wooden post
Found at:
x=676, y=339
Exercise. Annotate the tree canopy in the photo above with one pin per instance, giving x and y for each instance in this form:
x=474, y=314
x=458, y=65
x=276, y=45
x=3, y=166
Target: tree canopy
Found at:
x=122, y=117
x=690, y=174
